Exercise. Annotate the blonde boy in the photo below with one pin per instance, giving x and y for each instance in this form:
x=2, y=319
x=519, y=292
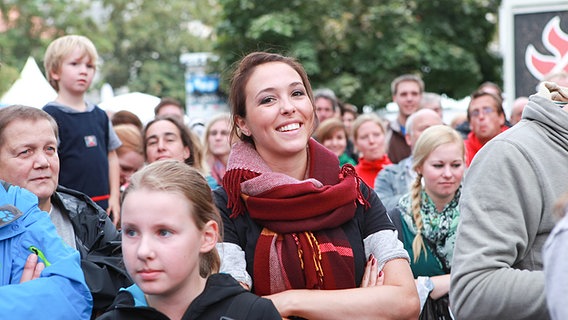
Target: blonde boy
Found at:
x=88, y=143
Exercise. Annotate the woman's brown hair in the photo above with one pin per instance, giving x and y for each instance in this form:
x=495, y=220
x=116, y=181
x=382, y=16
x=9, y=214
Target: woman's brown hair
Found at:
x=239, y=80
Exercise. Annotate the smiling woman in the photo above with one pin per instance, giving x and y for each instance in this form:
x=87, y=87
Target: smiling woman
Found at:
x=285, y=200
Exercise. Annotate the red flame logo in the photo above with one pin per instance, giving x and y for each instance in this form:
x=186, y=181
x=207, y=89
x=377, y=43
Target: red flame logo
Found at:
x=556, y=42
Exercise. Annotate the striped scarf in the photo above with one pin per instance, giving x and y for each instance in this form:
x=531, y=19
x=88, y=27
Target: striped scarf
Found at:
x=302, y=244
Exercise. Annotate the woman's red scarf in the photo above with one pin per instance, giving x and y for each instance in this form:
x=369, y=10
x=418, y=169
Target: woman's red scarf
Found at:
x=301, y=245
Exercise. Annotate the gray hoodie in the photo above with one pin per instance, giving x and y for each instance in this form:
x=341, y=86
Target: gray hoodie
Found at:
x=506, y=216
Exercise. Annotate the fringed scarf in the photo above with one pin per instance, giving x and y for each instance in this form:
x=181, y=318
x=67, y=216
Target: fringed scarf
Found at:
x=439, y=228
x=301, y=245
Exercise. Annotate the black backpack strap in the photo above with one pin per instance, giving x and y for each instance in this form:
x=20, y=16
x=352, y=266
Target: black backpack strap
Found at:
x=241, y=306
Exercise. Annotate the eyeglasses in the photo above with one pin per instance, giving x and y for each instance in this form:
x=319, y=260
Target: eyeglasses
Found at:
x=485, y=110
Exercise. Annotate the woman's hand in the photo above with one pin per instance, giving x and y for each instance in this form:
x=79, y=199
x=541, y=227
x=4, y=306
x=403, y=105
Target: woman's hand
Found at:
x=372, y=276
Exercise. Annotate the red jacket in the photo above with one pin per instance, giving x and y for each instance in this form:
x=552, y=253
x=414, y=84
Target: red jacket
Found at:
x=368, y=170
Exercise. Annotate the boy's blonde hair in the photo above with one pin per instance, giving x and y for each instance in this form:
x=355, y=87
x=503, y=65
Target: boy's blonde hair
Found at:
x=60, y=48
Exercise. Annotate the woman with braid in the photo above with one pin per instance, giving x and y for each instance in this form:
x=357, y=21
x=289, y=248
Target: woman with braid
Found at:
x=427, y=216
x=299, y=229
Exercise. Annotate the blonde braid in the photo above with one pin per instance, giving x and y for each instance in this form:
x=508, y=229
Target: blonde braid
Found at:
x=416, y=194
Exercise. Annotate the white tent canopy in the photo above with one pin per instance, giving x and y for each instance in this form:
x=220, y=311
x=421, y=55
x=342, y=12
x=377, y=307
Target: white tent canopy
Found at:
x=141, y=104
x=31, y=88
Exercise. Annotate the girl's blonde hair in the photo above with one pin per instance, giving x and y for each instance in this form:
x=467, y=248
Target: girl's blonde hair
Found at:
x=131, y=139
x=429, y=140
x=60, y=48
x=176, y=177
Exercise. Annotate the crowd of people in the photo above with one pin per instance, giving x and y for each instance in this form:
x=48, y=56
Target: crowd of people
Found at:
x=293, y=205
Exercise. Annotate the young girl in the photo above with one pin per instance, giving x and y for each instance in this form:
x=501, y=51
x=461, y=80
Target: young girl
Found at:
x=169, y=231
x=427, y=216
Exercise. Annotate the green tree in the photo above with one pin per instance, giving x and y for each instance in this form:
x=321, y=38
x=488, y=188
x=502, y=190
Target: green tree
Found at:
x=139, y=42
x=30, y=25
x=357, y=47
x=145, y=40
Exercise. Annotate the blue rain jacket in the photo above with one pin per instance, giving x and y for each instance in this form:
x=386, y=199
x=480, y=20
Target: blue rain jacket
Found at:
x=61, y=291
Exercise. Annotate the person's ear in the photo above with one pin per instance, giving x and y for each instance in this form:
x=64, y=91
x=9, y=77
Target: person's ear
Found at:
x=242, y=124
x=209, y=236
x=502, y=119
x=54, y=75
x=186, y=153
x=408, y=139
x=419, y=170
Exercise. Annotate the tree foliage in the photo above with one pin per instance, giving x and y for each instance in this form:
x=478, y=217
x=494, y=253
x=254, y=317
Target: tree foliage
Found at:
x=356, y=47
x=139, y=42
x=146, y=39
x=29, y=26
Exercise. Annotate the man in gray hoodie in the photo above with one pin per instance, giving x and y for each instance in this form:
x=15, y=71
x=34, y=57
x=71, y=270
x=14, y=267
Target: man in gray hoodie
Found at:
x=506, y=214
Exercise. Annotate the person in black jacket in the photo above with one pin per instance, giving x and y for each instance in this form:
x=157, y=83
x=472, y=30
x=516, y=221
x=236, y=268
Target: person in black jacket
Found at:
x=170, y=229
x=29, y=159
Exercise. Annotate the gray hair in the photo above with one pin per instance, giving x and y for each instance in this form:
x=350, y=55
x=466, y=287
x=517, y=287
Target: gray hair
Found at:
x=328, y=94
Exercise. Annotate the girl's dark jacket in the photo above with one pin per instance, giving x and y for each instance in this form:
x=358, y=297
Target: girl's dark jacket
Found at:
x=223, y=298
